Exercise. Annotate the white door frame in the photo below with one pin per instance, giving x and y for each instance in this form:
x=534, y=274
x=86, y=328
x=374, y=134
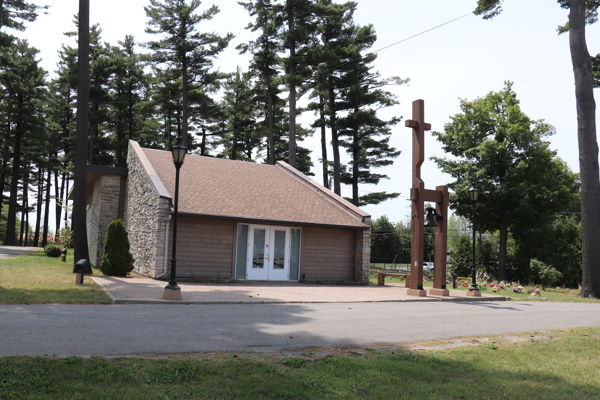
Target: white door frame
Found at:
x=268, y=271
x=253, y=271
x=279, y=274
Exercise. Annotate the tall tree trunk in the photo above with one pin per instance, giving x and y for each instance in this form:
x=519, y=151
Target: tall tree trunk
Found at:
x=95, y=128
x=234, y=144
x=5, y=156
x=588, y=150
x=323, y=142
x=79, y=223
x=90, y=151
x=58, y=199
x=292, y=97
x=355, y=156
x=23, y=212
x=47, y=208
x=334, y=141
x=1, y=12
x=11, y=224
x=40, y=201
x=67, y=202
x=120, y=144
x=26, y=219
x=270, y=134
x=129, y=124
x=203, y=142
x=502, y=275
x=185, y=102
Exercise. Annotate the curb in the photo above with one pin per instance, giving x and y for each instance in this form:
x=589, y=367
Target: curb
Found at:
x=277, y=302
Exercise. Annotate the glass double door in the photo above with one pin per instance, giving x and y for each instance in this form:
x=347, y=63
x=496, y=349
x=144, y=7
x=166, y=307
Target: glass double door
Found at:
x=268, y=255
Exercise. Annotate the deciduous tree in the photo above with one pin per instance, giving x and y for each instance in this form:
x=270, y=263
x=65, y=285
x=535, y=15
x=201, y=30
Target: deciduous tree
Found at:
x=505, y=154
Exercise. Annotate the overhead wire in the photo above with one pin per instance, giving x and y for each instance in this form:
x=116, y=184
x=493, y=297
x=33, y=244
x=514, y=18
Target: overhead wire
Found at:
x=359, y=58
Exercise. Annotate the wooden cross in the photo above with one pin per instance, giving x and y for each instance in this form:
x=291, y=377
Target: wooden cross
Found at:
x=419, y=127
x=418, y=196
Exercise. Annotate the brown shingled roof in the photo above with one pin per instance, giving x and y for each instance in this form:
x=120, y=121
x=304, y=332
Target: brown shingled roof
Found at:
x=219, y=187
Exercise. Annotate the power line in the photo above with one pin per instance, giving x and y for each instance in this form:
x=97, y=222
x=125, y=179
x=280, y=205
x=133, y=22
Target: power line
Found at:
x=361, y=57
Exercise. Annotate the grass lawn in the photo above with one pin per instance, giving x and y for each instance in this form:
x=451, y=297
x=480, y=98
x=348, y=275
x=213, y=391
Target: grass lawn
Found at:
x=546, y=365
x=36, y=278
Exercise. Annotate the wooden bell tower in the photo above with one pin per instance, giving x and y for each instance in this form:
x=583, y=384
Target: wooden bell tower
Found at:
x=418, y=196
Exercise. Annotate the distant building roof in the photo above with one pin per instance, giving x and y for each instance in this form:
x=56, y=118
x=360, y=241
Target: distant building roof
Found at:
x=248, y=191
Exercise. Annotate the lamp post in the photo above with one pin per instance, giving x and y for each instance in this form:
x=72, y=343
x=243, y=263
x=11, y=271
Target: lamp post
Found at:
x=474, y=290
x=172, y=290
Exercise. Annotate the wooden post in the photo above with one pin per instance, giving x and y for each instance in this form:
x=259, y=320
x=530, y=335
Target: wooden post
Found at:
x=419, y=126
x=441, y=245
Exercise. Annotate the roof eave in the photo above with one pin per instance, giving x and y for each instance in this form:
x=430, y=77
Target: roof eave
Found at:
x=272, y=221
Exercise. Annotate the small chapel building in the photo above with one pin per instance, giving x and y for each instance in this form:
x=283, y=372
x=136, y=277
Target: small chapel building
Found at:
x=236, y=220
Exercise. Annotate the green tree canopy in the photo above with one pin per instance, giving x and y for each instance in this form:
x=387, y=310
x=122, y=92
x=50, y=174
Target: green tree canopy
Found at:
x=506, y=154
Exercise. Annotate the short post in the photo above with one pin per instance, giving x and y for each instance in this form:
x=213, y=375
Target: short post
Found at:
x=80, y=268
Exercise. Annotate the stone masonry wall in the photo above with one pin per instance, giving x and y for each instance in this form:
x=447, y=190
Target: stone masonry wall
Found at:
x=146, y=216
x=102, y=208
x=363, y=254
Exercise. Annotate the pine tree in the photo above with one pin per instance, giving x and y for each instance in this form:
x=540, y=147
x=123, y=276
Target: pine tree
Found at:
x=13, y=13
x=23, y=83
x=182, y=46
x=366, y=136
x=299, y=16
x=330, y=57
x=127, y=86
x=265, y=63
x=241, y=116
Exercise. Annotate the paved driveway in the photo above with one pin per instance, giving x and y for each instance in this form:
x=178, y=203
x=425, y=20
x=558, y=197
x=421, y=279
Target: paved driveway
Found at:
x=13, y=251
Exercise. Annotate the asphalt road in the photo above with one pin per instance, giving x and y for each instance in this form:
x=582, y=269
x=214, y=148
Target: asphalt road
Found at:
x=170, y=329
x=13, y=251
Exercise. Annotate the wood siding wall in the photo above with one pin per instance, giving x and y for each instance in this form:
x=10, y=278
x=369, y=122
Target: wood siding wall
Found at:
x=327, y=254
x=205, y=247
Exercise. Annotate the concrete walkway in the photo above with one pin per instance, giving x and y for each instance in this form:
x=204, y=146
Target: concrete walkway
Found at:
x=150, y=291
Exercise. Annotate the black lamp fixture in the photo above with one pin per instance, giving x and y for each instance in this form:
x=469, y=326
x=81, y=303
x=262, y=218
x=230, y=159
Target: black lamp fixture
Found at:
x=178, y=151
x=172, y=290
x=473, y=194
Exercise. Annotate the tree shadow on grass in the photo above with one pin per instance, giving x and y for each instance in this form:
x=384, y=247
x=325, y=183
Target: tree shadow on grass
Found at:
x=398, y=375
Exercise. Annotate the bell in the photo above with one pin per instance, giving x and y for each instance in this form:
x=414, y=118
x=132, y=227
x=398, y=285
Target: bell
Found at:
x=430, y=217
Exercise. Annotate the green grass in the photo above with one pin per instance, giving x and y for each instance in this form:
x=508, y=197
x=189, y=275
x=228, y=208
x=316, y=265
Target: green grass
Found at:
x=387, y=266
x=554, y=365
x=38, y=279
x=548, y=294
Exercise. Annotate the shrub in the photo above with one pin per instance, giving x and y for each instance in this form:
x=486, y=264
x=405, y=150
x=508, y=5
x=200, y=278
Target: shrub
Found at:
x=65, y=237
x=117, y=259
x=544, y=274
x=53, y=250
